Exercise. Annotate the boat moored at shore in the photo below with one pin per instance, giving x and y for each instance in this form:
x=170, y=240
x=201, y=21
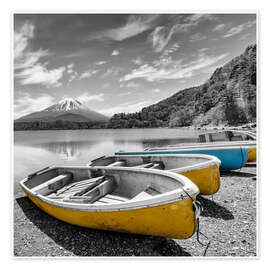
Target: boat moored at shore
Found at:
x=202, y=170
x=233, y=155
x=231, y=135
x=131, y=200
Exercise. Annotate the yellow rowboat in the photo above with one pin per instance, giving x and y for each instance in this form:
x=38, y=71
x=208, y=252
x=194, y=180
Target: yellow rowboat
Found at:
x=132, y=200
x=231, y=135
x=202, y=170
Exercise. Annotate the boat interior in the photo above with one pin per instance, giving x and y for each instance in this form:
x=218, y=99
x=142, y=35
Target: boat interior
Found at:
x=99, y=186
x=161, y=162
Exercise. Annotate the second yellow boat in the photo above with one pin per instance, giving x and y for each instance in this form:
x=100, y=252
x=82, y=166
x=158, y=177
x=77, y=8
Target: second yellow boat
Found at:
x=202, y=170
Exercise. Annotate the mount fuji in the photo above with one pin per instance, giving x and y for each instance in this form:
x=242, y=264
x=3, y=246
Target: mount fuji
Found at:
x=67, y=109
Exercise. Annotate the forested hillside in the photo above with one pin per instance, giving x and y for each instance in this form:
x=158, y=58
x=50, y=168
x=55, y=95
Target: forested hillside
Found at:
x=228, y=97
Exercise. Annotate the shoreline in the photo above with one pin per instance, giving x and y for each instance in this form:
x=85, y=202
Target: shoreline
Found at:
x=229, y=221
x=250, y=126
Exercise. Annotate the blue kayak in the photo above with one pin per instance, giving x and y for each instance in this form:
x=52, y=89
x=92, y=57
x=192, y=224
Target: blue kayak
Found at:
x=233, y=155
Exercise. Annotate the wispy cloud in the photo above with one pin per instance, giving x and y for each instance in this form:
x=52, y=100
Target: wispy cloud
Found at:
x=162, y=35
x=138, y=61
x=156, y=90
x=88, y=73
x=239, y=28
x=86, y=97
x=172, y=70
x=203, y=50
x=127, y=107
x=219, y=28
x=70, y=68
x=101, y=63
x=125, y=94
x=198, y=18
x=130, y=85
x=26, y=104
x=115, y=52
x=171, y=50
x=29, y=59
x=113, y=71
x=135, y=24
x=29, y=69
x=21, y=39
x=71, y=72
x=197, y=37
x=39, y=74
x=245, y=36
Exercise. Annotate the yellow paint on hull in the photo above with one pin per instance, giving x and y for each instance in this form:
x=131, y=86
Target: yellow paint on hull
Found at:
x=252, y=155
x=173, y=220
x=207, y=180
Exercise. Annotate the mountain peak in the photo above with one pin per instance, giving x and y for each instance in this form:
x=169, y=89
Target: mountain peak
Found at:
x=67, y=104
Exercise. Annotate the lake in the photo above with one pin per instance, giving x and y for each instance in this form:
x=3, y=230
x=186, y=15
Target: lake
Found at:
x=34, y=150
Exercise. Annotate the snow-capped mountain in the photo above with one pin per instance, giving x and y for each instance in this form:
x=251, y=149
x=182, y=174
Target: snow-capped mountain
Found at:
x=66, y=104
x=67, y=109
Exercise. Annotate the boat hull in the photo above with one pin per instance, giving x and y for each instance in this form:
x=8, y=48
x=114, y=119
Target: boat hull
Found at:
x=207, y=179
x=252, y=155
x=231, y=158
x=174, y=220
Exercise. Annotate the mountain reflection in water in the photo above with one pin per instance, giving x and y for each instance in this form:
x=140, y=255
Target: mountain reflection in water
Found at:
x=36, y=149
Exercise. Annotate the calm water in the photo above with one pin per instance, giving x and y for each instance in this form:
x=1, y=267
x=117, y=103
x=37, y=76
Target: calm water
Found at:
x=34, y=150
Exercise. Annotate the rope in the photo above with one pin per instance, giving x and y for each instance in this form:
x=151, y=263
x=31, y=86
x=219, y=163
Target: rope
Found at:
x=198, y=233
x=197, y=205
x=242, y=159
x=212, y=183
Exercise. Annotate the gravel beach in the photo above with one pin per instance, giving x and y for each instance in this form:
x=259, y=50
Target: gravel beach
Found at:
x=228, y=220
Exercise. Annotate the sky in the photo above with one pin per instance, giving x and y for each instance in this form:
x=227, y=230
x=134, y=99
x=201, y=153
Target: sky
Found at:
x=116, y=63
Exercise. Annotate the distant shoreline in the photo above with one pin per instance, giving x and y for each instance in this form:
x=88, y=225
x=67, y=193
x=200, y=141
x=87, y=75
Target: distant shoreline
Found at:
x=204, y=128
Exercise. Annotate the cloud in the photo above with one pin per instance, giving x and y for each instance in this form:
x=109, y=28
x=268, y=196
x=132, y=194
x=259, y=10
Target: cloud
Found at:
x=156, y=90
x=113, y=71
x=88, y=73
x=162, y=35
x=26, y=104
x=198, y=18
x=115, y=52
x=101, y=63
x=171, y=50
x=21, y=38
x=39, y=74
x=239, y=28
x=125, y=94
x=203, y=50
x=245, y=36
x=219, y=27
x=70, y=68
x=29, y=59
x=138, y=61
x=167, y=69
x=135, y=24
x=130, y=85
x=27, y=66
x=127, y=107
x=197, y=37
x=85, y=97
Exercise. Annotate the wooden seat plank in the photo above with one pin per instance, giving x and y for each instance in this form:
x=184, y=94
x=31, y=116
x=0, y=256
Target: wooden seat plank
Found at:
x=53, y=185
